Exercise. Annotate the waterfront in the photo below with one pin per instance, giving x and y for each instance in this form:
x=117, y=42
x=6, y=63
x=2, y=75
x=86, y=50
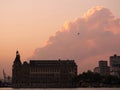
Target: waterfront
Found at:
x=61, y=89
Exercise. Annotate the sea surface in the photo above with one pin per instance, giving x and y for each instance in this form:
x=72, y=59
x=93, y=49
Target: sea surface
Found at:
x=61, y=89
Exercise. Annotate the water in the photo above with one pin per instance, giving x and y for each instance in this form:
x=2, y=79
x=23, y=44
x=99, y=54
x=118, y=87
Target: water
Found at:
x=62, y=89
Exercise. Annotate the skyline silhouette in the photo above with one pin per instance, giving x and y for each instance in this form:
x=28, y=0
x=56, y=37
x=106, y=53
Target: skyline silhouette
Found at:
x=61, y=74
x=86, y=31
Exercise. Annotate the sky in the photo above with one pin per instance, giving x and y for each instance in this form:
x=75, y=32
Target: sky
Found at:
x=48, y=29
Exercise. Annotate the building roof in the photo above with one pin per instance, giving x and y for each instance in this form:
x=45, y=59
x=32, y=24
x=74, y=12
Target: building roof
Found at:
x=52, y=62
x=115, y=56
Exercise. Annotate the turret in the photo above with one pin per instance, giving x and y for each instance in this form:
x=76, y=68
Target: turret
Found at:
x=16, y=70
x=17, y=58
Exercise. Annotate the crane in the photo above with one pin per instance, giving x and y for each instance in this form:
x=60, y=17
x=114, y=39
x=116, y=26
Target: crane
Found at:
x=4, y=75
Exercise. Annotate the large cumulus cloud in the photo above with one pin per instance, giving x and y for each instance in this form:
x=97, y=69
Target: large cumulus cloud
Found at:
x=87, y=39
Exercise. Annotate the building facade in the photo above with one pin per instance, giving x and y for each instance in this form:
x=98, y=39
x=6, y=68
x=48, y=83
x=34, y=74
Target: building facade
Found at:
x=43, y=73
x=115, y=65
x=103, y=68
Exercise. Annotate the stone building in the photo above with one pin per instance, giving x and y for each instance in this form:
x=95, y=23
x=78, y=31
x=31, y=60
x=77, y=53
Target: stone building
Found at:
x=43, y=73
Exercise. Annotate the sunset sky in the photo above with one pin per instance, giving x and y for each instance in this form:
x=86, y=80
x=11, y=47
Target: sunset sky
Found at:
x=48, y=29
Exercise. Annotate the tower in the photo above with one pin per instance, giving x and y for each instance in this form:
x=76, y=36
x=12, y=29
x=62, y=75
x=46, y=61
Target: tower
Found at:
x=115, y=65
x=17, y=59
x=103, y=68
x=16, y=70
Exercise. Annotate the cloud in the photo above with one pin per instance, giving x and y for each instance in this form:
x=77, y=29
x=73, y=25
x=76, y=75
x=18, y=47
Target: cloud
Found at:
x=87, y=39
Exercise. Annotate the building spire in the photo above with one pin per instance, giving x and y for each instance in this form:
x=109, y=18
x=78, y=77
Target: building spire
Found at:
x=17, y=53
x=17, y=58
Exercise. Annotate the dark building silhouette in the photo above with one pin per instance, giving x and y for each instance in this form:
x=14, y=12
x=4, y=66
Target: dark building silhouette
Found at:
x=115, y=65
x=103, y=68
x=43, y=73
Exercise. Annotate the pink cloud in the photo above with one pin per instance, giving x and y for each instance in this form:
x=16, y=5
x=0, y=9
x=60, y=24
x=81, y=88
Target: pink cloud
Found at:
x=95, y=34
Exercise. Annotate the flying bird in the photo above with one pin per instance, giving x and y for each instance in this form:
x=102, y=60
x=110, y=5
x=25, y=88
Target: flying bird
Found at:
x=78, y=33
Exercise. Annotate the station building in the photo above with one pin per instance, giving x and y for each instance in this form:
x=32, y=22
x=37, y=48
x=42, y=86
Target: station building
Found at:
x=43, y=73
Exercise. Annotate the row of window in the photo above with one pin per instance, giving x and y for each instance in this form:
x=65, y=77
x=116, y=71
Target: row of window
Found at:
x=51, y=70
